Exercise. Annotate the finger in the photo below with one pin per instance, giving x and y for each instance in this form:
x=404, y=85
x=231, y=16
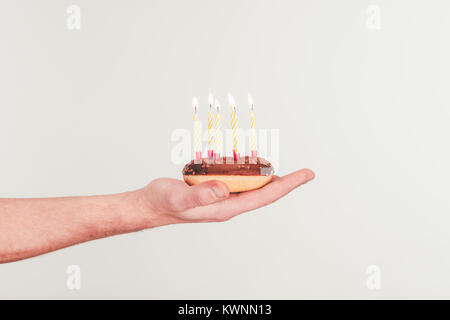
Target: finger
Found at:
x=203, y=194
x=273, y=191
x=275, y=178
x=251, y=200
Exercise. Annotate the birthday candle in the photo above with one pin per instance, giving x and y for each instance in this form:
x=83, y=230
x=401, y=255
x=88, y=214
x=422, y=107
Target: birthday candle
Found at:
x=234, y=127
x=219, y=142
x=210, y=125
x=253, y=145
x=198, y=141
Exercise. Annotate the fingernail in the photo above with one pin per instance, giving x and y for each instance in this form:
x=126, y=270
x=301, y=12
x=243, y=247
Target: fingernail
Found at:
x=218, y=192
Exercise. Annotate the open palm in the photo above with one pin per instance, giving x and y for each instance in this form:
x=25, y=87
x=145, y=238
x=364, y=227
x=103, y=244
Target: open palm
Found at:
x=211, y=201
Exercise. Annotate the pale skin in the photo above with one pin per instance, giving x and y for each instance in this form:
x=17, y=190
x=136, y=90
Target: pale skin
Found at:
x=31, y=227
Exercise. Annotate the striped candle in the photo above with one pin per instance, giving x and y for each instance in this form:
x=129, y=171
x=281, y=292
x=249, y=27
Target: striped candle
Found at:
x=210, y=126
x=219, y=140
x=197, y=133
x=234, y=127
x=253, y=144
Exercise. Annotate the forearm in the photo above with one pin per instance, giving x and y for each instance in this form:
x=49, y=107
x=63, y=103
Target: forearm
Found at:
x=29, y=227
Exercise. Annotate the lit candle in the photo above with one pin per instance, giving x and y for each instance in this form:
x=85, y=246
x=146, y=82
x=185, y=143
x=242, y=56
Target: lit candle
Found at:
x=210, y=126
x=219, y=141
x=253, y=144
x=234, y=127
x=197, y=133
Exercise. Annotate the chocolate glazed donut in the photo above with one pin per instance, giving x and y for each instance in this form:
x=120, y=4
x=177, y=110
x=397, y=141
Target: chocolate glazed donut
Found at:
x=246, y=174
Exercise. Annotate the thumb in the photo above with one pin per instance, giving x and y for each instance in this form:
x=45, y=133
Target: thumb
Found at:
x=203, y=194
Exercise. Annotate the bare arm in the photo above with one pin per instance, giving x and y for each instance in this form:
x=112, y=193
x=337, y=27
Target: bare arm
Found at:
x=30, y=227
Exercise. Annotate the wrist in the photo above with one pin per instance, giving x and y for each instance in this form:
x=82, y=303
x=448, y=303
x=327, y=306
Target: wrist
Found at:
x=138, y=213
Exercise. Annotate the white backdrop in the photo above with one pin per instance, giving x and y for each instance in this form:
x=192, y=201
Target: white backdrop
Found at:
x=357, y=89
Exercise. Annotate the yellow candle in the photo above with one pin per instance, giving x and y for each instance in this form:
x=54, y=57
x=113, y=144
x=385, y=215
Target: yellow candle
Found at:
x=253, y=143
x=219, y=140
x=234, y=127
x=197, y=133
x=210, y=125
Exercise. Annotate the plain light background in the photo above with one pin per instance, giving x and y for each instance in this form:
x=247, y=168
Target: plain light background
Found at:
x=91, y=111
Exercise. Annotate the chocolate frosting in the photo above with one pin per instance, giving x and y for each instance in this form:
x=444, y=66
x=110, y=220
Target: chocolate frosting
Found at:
x=246, y=166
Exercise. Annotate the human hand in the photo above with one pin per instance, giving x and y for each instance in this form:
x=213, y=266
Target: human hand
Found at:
x=173, y=201
x=49, y=224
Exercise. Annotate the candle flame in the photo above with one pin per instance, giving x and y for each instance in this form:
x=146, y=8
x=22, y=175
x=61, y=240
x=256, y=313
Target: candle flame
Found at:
x=217, y=103
x=250, y=101
x=210, y=100
x=231, y=101
x=195, y=103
